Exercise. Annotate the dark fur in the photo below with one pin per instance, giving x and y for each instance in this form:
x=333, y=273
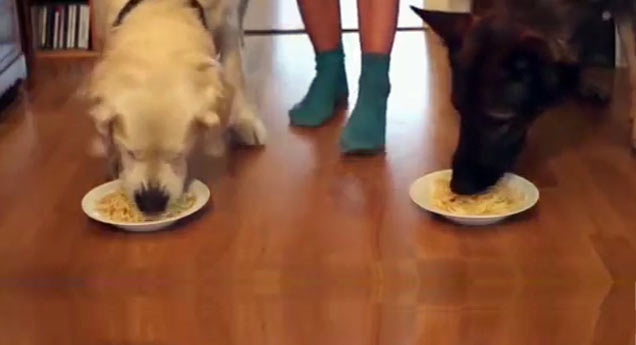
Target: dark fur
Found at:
x=508, y=66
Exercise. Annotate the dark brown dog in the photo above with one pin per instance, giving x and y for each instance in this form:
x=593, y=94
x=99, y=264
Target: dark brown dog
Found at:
x=507, y=66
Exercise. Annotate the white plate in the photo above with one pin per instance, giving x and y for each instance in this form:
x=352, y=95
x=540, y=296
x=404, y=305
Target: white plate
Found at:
x=421, y=193
x=91, y=199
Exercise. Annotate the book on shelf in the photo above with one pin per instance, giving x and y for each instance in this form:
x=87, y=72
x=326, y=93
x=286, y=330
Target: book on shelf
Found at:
x=56, y=27
x=84, y=27
x=50, y=26
x=61, y=42
x=61, y=25
x=70, y=24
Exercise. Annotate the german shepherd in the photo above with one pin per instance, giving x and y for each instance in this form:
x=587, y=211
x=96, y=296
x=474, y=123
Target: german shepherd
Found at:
x=511, y=63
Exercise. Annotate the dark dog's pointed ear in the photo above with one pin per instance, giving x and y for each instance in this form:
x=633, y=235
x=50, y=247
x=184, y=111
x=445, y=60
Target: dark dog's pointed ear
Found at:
x=451, y=27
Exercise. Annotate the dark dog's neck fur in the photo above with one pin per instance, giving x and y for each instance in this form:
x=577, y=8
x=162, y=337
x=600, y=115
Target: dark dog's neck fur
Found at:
x=132, y=4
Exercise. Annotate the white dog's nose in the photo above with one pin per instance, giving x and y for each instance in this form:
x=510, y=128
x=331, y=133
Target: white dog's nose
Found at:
x=151, y=200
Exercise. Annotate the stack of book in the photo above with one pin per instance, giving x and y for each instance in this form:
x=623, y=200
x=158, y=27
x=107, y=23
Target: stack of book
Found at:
x=61, y=26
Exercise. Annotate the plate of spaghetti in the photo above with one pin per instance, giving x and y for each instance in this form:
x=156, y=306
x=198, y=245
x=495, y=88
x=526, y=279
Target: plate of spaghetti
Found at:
x=513, y=194
x=108, y=203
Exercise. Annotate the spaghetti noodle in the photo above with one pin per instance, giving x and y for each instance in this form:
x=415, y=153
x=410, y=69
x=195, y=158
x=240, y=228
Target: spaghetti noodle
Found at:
x=118, y=207
x=498, y=200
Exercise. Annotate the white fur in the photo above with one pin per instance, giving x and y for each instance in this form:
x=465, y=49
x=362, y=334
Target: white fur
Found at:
x=158, y=85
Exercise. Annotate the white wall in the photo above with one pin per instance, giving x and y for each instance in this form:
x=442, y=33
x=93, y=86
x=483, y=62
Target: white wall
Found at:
x=283, y=14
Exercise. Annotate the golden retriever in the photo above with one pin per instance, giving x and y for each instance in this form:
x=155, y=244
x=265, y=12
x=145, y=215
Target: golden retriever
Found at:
x=170, y=73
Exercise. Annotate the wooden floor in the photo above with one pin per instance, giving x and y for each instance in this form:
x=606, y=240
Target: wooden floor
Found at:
x=304, y=246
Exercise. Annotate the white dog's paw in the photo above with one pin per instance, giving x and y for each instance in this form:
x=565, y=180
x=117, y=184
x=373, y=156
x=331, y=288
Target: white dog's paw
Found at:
x=250, y=130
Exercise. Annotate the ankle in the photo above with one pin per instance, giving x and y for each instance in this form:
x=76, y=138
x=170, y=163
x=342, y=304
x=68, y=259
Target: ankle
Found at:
x=330, y=58
x=375, y=73
x=376, y=63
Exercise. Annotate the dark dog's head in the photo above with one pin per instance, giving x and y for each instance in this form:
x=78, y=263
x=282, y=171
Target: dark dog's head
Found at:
x=503, y=76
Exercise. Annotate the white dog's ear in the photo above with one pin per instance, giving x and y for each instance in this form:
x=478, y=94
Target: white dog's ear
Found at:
x=211, y=85
x=104, y=120
x=103, y=117
x=213, y=140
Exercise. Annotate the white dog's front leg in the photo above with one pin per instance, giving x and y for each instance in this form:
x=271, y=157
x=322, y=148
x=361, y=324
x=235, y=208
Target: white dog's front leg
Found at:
x=244, y=121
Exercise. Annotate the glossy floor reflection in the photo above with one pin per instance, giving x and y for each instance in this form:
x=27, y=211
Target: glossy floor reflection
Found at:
x=304, y=246
x=202, y=314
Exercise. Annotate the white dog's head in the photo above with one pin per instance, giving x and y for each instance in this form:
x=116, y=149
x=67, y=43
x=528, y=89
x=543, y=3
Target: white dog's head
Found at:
x=150, y=120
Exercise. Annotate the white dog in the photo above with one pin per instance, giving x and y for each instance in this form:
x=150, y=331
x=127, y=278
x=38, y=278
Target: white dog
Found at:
x=158, y=86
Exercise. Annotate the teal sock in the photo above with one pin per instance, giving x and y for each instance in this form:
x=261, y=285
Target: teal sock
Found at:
x=366, y=130
x=327, y=89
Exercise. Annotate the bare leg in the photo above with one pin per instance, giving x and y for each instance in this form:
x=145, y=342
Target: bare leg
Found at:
x=322, y=22
x=329, y=87
x=378, y=22
x=366, y=130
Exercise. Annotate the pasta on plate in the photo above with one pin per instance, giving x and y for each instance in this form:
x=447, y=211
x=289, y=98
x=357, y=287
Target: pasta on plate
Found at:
x=498, y=200
x=117, y=207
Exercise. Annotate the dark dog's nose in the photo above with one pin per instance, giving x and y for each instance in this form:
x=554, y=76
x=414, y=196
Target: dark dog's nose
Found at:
x=466, y=186
x=151, y=200
x=470, y=180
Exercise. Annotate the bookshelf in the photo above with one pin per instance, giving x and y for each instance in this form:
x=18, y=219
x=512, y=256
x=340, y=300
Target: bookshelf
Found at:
x=68, y=30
